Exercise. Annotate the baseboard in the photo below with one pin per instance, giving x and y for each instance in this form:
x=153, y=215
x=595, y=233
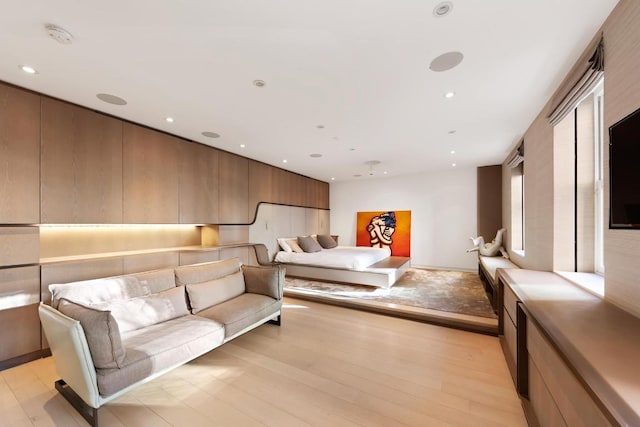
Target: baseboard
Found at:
x=15, y=361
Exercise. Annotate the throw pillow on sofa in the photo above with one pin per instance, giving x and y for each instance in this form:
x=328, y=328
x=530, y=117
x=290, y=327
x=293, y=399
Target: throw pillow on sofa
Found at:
x=136, y=313
x=263, y=280
x=101, y=331
x=206, y=294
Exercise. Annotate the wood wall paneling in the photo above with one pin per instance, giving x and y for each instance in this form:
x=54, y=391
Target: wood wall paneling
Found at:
x=324, y=225
x=196, y=257
x=198, y=189
x=20, y=333
x=241, y=252
x=19, y=286
x=234, y=189
x=19, y=245
x=260, y=186
x=489, y=215
x=19, y=156
x=298, y=189
x=281, y=186
x=148, y=262
x=150, y=176
x=81, y=165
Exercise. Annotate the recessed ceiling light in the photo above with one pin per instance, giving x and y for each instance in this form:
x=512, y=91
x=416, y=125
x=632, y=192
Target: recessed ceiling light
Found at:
x=333, y=178
x=284, y=161
x=446, y=61
x=357, y=175
x=449, y=94
x=320, y=126
x=352, y=149
x=59, y=34
x=315, y=155
x=209, y=134
x=259, y=83
x=169, y=119
x=28, y=69
x=111, y=99
x=385, y=172
x=442, y=9
x=242, y=145
x=451, y=132
x=453, y=164
x=453, y=151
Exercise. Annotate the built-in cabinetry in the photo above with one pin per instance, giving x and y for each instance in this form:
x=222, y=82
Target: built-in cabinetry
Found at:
x=81, y=155
x=572, y=354
x=69, y=176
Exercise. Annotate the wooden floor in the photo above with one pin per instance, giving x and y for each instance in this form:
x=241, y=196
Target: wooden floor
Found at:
x=325, y=366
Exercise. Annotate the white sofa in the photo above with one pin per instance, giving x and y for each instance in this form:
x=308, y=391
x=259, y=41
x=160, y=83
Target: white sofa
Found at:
x=110, y=335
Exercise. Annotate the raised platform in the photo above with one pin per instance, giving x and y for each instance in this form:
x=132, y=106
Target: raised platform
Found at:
x=383, y=274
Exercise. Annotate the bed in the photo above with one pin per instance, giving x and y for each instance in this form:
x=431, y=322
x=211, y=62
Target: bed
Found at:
x=346, y=264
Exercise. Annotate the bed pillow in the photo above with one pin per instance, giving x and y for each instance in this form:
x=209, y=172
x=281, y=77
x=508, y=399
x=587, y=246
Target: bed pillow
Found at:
x=284, y=243
x=295, y=247
x=308, y=244
x=326, y=241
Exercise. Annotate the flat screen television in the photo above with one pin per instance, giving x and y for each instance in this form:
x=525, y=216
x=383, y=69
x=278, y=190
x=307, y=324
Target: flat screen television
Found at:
x=624, y=172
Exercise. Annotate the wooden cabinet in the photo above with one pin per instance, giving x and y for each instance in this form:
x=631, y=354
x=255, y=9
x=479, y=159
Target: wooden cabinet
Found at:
x=150, y=176
x=317, y=194
x=260, y=186
x=198, y=184
x=489, y=214
x=19, y=156
x=22, y=338
x=19, y=246
x=234, y=189
x=81, y=165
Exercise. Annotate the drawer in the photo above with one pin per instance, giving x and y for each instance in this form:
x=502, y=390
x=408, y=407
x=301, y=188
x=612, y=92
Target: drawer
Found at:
x=511, y=341
x=547, y=413
x=574, y=402
x=510, y=302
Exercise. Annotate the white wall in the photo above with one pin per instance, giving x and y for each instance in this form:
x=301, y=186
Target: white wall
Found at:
x=443, y=213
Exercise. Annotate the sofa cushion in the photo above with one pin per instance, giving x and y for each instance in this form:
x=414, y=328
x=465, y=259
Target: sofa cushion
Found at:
x=98, y=290
x=205, y=294
x=198, y=273
x=241, y=312
x=160, y=347
x=264, y=280
x=326, y=241
x=101, y=331
x=136, y=313
x=156, y=280
x=309, y=244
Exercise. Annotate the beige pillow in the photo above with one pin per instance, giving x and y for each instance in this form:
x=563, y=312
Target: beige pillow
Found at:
x=101, y=331
x=136, y=313
x=207, y=294
x=295, y=247
x=198, y=273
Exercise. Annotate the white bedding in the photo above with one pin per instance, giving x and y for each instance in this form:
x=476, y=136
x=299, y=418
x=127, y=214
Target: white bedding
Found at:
x=343, y=257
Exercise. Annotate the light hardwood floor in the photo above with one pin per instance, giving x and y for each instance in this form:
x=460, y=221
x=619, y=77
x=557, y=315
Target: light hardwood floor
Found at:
x=325, y=366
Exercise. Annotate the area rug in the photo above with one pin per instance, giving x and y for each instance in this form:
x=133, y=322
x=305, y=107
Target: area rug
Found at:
x=452, y=291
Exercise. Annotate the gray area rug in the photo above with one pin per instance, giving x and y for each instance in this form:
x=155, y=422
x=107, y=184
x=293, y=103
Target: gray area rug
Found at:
x=451, y=291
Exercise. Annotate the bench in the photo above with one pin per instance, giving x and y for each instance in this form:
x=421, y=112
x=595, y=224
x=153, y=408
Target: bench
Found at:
x=487, y=266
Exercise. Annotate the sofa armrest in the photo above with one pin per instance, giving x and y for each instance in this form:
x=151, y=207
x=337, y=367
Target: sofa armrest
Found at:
x=71, y=353
x=264, y=280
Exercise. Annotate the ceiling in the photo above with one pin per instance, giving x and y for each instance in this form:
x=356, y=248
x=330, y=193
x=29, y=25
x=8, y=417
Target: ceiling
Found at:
x=349, y=80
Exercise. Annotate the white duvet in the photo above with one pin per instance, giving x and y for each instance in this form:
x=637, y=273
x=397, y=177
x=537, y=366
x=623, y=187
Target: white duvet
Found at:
x=343, y=257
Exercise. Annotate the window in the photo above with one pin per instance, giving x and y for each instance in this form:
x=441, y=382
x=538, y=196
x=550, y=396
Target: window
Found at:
x=598, y=186
x=516, y=164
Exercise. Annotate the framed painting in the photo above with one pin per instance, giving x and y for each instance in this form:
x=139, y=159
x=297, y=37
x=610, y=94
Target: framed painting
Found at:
x=391, y=229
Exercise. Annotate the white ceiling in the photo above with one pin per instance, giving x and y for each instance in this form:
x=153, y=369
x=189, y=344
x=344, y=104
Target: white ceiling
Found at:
x=360, y=68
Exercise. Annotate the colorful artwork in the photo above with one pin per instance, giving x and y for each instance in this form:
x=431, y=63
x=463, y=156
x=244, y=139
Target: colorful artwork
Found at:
x=391, y=229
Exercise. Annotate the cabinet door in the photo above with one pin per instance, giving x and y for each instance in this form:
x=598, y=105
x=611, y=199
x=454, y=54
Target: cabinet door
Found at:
x=198, y=191
x=260, y=186
x=312, y=193
x=323, y=199
x=81, y=165
x=280, y=186
x=19, y=156
x=234, y=189
x=150, y=176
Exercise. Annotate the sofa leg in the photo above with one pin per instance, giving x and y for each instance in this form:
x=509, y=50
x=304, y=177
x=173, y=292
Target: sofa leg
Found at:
x=276, y=321
x=88, y=413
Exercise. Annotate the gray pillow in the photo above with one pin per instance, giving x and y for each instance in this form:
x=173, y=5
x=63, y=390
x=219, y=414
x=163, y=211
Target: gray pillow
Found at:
x=207, y=294
x=308, y=244
x=101, y=331
x=326, y=241
x=263, y=280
